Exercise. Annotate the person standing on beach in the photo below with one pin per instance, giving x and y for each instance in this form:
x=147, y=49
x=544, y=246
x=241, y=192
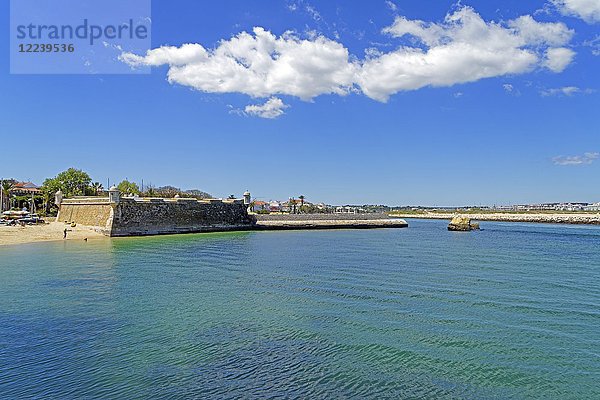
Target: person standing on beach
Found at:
x=65, y=234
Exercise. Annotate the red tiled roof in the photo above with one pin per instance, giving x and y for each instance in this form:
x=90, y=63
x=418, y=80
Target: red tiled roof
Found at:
x=25, y=185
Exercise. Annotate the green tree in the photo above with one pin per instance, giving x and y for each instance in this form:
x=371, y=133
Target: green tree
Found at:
x=168, y=191
x=150, y=191
x=7, y=186
x=128, y=188
x=49, y=189
x=97, y=188
x=72, y=182
x=199, y=194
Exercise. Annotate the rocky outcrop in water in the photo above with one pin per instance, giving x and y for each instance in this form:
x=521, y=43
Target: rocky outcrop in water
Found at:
x=462, y=224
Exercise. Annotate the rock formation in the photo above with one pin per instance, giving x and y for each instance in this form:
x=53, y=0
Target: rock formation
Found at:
x=462, y=224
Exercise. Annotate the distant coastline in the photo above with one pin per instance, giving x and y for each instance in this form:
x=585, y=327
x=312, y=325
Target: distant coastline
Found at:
x=537, y=217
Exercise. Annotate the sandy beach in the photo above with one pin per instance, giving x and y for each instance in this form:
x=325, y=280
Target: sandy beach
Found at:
x=53, y=231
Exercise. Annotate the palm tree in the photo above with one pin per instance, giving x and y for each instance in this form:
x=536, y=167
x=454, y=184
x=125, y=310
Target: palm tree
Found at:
x=6, y=187
x=47, y=197
x=97, y=188
x=231, y=197
x=301, y=197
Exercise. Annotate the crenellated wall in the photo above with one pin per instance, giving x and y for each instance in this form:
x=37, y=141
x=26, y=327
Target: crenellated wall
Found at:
x=140, y=217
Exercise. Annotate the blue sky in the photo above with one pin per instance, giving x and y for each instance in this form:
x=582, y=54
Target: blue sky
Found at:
x=419, y=112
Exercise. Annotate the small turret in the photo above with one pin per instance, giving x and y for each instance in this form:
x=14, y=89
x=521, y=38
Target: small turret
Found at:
x=58, y=197
x=247, y=198
x=114, y=195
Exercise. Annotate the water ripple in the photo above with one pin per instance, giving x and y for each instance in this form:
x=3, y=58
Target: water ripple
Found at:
x=508, y=312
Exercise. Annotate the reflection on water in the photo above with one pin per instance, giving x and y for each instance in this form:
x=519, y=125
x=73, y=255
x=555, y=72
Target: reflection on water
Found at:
x=511, y=311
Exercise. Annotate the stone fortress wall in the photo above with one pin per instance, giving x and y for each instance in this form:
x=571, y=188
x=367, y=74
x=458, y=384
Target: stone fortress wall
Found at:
x=116, y=216
x=97, y=214
x=161, y=216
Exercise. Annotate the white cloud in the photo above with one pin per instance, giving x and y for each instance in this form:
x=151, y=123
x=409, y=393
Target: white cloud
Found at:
x=558, y=58
x=594, y=44
x=273, y=108
x=188, y=53
x=536, y=33
x=588, y=10
x=312, y=11
x=585, y=159
x=259, y=65
x=302, y=5
x=510, y=89
x=565, y=91
x=391, y=5
x=463, y=48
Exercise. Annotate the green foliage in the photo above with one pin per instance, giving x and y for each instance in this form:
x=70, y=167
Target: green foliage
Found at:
x=150, y=192
x=7, y=186
x=313, y=209
x=198, y=194
x=168, y=191
x=72, y=182
x=128, y=188
x=96, y=188
x=261, y=212
x=172, y=191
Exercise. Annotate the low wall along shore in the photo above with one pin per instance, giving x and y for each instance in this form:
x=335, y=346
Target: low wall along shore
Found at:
x=275, y=222
x=587, y=219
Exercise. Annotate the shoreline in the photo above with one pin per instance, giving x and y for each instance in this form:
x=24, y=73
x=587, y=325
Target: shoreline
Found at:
x=53, y=231
x=48, y=232
x=567, y=219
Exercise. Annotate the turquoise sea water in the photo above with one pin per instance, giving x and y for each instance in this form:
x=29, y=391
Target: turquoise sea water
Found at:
x=512, y=311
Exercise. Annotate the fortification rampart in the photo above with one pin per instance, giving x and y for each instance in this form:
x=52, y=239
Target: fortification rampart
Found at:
x=143, y=216
x=96, y=213
x=159, y=216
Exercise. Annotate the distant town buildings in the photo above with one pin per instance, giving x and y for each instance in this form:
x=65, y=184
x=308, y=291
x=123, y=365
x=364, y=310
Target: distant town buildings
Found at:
x=349, y=210
x=301, y=205
x=593, y=207
x=552, y=207
x=548, y=207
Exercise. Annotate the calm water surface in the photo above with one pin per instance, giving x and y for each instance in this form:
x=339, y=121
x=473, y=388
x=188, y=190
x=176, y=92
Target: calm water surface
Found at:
x=512, y=311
